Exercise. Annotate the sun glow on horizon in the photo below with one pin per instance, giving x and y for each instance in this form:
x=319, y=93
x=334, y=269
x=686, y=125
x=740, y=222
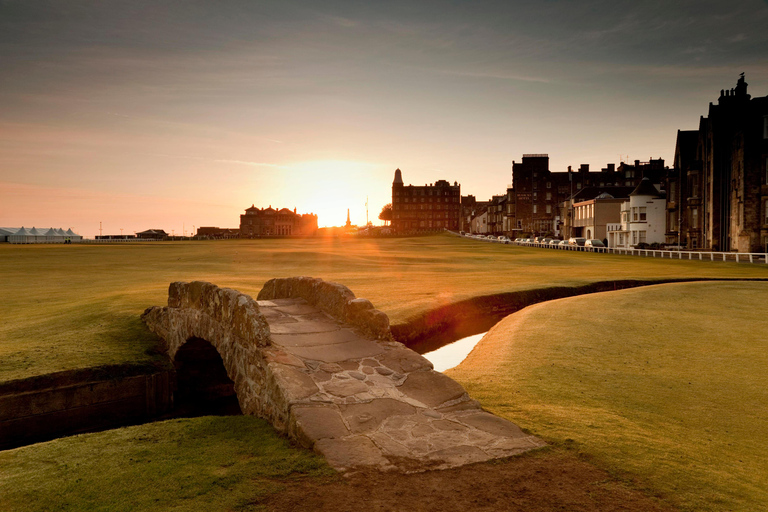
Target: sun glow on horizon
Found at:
x=329, y=187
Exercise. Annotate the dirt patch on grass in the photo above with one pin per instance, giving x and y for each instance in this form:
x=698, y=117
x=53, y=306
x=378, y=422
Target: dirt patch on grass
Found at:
x=547, y=480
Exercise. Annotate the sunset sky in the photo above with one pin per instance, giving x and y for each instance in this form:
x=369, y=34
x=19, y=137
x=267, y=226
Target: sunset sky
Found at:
x=153, y=114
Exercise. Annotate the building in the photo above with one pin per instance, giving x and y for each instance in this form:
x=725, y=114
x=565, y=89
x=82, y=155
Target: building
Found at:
x=152, y=234
x=643, y=218
x=571, y=222
x=217, y=233
x=258, y=222
x=479, y=223
x=718, y=189
x=537, y=194
x=497, y=210
x=591, y=217
x=433, y=207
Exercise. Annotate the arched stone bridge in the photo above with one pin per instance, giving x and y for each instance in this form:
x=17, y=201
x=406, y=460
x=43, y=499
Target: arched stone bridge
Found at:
x=322, y=367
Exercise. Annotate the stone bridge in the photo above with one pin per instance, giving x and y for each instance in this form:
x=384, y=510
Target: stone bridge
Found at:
x=322, y=367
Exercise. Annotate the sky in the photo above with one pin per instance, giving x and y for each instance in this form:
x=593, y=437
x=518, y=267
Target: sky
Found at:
x=176, y=115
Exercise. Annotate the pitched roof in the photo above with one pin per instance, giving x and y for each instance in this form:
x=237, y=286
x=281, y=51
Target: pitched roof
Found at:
x=645, y=188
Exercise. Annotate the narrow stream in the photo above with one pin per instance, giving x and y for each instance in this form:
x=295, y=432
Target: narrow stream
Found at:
x=452, y=354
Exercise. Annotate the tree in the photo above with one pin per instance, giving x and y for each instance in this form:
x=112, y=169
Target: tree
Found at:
x=386, y=213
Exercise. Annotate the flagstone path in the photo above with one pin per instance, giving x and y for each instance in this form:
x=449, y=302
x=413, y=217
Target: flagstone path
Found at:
x=365, y=402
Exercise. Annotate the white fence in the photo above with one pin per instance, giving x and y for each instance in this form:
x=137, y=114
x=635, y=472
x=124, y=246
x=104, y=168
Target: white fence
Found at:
x=738, y=257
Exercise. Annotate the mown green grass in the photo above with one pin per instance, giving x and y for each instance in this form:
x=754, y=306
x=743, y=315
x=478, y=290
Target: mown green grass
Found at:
x=75, y=306
x=663, y=383
x=207, y=464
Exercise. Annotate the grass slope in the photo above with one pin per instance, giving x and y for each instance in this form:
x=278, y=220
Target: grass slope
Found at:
x=75, y=306
x=206, y=464
x=665, y=383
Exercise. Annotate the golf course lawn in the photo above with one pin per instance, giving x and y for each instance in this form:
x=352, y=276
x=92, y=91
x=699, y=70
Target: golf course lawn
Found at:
x=664, y=384
x=74, y=306
x=197, y=464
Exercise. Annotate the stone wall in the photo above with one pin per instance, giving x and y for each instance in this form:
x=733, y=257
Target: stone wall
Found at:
x=66, y=403
x=335, y=299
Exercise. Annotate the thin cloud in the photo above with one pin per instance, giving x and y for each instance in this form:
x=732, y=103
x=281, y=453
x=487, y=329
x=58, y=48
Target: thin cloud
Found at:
x=498, y=76
x=246, y=162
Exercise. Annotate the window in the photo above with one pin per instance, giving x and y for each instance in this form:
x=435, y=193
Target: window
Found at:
x=765, y=216
x=549, y=208
x=695, y=218
x=642, y=213
x=534, y=208
x=635, y=216
x=535, y=185
x=634, y=238
x=642, y=236
x=549, y=196
x=549, y=184
x=535, y=196
x=578, y=186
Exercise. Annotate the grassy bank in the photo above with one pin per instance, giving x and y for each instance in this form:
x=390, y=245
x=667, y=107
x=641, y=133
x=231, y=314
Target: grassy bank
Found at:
x=208, y=463
x=74, y=306
x=663, y=383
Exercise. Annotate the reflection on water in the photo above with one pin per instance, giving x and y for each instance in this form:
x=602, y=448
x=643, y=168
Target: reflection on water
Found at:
x=454, y=353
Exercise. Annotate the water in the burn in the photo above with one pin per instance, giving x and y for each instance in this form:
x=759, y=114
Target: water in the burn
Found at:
x=454, y=353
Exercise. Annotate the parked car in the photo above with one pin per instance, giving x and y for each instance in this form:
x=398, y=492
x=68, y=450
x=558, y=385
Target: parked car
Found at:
x=577, y=240
x=554, y=242
x=563, y=243
x=594, y=243
x=545, y=241
x=504, y=239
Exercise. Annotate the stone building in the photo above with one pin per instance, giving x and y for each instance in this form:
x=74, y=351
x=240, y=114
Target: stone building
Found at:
x=258, y=222
x=718, y=189
x=216, y=232
x=537, y=194
x=433, y=207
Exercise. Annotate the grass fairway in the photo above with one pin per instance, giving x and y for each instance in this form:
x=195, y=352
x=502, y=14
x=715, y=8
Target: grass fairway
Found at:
x=206, y=464
x=73, y=306
x=665, y=383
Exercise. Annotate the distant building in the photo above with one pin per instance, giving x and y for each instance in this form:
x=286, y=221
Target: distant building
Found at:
x=257, y=222
x=591, y=217
x=152, y=234
x=418, y=209
x=642, y=218
x=216, y=232
x=115, y=237
x=718, y=189
x=537, y=194
x=571, y=222
x=479, y=223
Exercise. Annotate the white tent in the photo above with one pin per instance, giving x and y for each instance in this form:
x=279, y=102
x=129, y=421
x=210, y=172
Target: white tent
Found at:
x=23, y=235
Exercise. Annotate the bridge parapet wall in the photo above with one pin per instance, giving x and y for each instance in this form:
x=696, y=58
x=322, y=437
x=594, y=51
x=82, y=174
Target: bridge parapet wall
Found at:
x=335, y=299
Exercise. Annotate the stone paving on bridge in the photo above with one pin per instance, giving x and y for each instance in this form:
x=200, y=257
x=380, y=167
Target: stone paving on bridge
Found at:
x=365, y=402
